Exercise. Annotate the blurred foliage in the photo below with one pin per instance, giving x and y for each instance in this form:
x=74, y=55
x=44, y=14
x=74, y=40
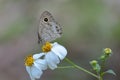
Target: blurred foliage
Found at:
x=16, y=28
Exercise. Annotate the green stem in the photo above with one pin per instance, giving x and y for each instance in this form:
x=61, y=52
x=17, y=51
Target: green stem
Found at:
x=80, y=68
x=100, y=78
x=63, y=67
x=103, y=65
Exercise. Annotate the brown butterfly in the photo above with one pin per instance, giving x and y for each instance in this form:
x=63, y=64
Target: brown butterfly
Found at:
x=49, y=29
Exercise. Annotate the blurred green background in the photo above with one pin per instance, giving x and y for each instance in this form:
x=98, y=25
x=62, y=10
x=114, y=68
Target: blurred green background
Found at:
x=89, y=26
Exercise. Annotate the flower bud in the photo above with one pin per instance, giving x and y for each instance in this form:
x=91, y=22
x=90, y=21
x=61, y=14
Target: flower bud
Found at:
x=93, y=62
x=95, y=65
x=103, y=57
x=107, y=51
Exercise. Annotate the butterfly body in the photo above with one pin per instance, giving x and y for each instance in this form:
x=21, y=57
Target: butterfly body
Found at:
x=49, y=29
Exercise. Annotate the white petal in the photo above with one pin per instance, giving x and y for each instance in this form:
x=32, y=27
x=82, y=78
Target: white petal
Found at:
x=29, y=72
x=55, y=43
x=53, y=57
x=36, y=73
x=52, y=60
x=41, y=64
x=37, y=56
x=59, y=50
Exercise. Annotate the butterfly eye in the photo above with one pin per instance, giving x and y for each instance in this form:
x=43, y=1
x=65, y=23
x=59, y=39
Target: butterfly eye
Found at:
x=46, y=19
x=56, y=26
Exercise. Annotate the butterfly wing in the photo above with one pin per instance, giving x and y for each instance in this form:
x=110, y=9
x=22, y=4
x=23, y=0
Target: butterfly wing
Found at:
x=49, y=29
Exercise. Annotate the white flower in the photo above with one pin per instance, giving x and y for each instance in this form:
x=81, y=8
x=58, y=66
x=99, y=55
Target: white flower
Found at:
x=35, y=65
x=53, y=54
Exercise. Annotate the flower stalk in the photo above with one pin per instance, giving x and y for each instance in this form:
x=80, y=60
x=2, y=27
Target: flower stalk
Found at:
x=64, y=67
x=80, y=68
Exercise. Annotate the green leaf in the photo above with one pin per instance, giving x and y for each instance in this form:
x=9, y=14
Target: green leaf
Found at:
x=98, y=68
x=111, y=72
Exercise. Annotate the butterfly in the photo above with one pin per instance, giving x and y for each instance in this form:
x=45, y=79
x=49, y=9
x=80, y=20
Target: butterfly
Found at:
x=48, y=29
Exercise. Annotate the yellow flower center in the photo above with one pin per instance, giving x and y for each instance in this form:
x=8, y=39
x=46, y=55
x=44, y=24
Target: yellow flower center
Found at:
x=29, y=60
x=47, y=47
